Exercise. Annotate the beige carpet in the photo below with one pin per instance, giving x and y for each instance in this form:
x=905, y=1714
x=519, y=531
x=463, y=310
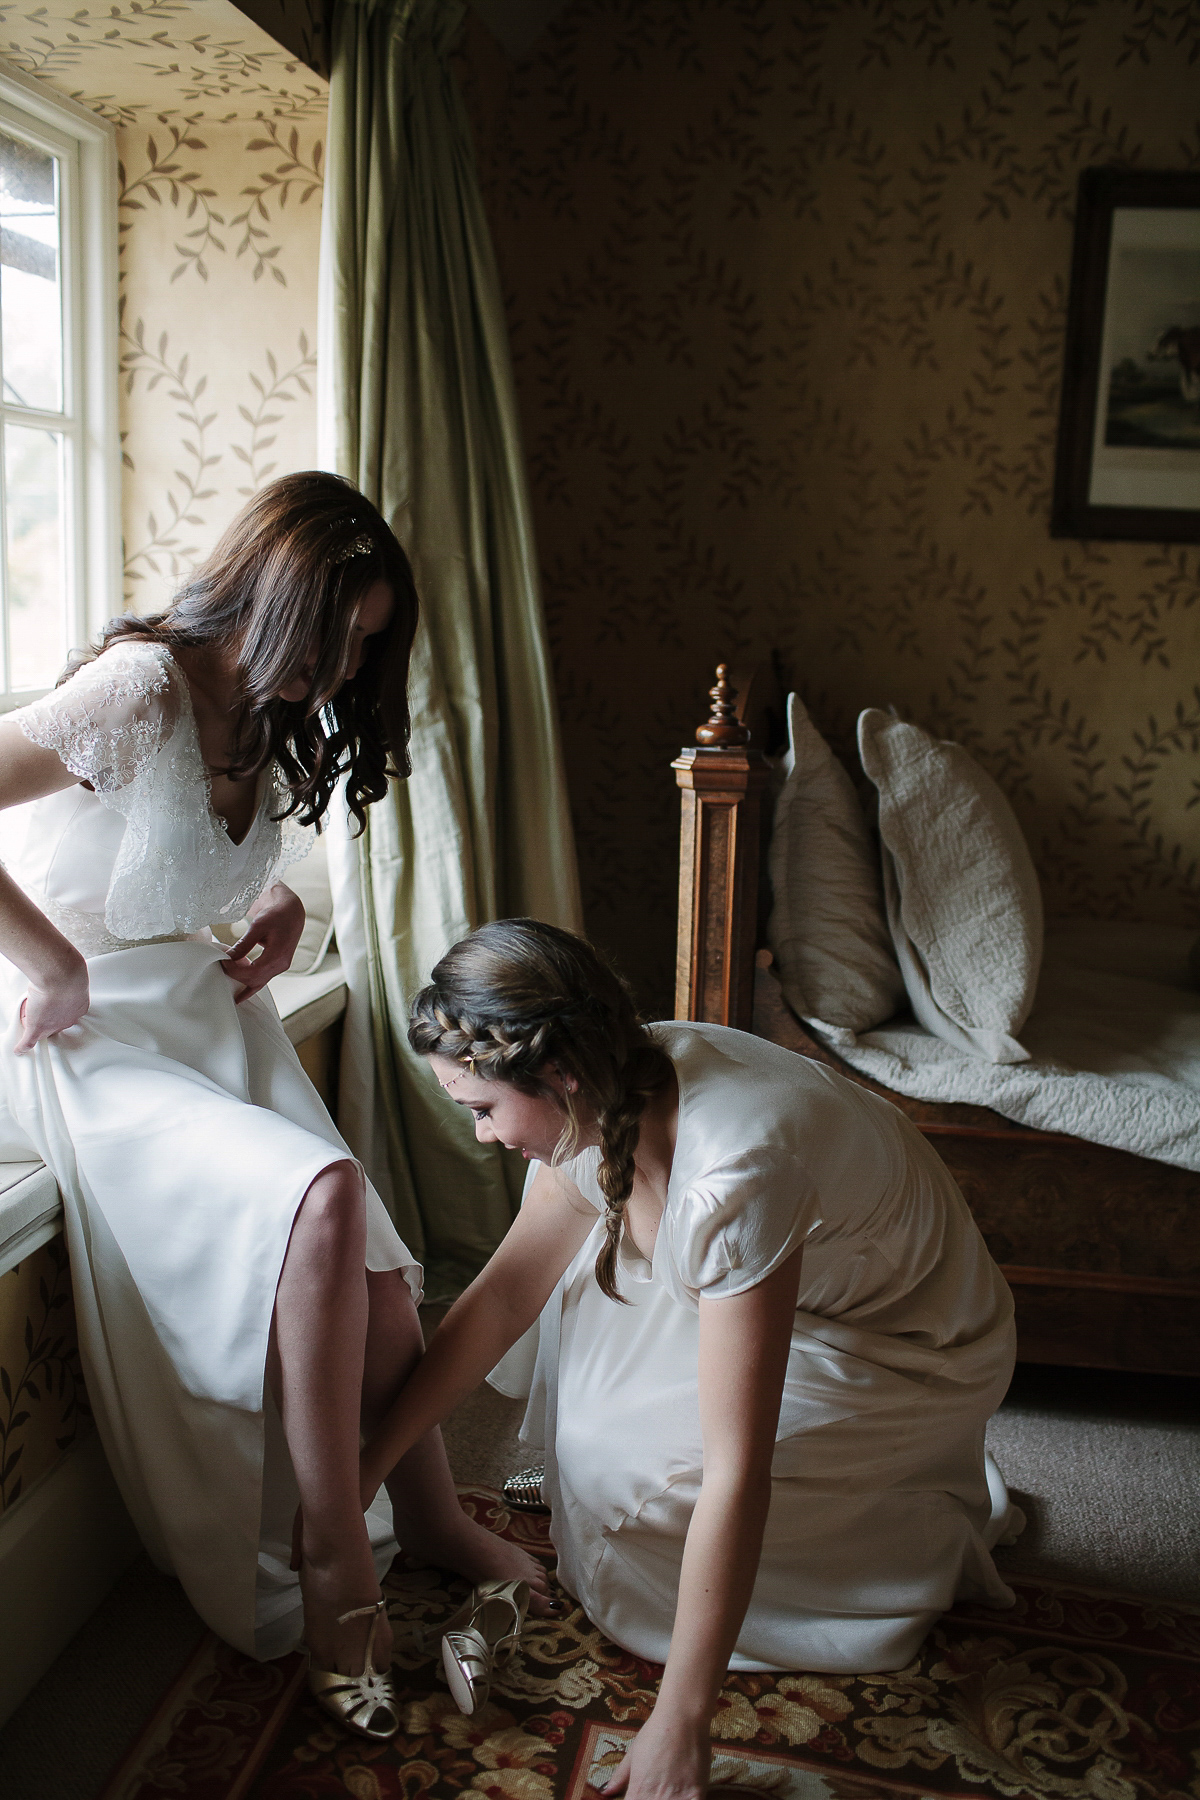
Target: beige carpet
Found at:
x=1106, y=1466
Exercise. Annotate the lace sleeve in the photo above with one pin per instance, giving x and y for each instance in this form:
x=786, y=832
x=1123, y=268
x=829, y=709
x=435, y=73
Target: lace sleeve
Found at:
x=125, y=724
x=109, y=721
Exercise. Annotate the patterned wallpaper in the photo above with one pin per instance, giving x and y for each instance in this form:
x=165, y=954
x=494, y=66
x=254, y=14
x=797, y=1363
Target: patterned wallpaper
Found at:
x=220, y=235
x=43, y=1406
x=220, y=138
x=786, y=285
x=132, y=61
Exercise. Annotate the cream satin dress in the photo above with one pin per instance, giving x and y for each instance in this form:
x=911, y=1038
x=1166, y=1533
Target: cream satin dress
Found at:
x=182, y=1131
x=883, y=1510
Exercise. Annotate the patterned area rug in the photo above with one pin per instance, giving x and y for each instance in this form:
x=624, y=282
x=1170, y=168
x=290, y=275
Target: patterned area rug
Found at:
x=1071, y=1693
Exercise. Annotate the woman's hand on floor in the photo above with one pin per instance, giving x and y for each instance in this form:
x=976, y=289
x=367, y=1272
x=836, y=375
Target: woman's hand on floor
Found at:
x=53, y=1006
x=276, y=921
x=669, y=1759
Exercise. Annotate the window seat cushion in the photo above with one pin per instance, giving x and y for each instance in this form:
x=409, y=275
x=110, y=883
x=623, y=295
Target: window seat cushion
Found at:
x=308, y=1003
x=30, y=1210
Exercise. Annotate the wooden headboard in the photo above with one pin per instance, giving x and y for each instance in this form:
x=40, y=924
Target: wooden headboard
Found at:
x=722, y=846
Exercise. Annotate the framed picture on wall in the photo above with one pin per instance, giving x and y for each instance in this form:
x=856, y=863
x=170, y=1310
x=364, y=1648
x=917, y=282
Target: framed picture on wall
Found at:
x=1128, y=463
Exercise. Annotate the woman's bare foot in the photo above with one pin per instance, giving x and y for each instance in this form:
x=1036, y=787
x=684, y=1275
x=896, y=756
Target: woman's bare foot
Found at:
x=476, y=1553
x=328, y=1591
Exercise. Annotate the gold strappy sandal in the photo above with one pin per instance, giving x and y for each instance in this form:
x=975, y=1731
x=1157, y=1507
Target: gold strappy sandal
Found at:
x=364, y=1703
x=482, y=1634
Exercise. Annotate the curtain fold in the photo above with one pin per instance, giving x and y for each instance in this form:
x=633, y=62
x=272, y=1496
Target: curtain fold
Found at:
x=419, y=409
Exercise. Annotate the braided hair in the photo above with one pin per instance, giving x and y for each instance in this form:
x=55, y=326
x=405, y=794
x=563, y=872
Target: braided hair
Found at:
x=518, y=994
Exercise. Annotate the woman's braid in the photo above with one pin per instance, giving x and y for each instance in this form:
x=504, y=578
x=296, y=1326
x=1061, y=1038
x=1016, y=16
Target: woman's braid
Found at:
x=495, y=1050
x=620, y=1126
x=517, y=995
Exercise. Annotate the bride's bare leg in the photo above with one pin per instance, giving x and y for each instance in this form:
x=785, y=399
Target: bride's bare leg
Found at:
x=318, y=1351
x=429, y=1521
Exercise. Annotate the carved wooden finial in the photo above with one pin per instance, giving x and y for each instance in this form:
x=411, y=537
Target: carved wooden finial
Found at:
x=722, y=729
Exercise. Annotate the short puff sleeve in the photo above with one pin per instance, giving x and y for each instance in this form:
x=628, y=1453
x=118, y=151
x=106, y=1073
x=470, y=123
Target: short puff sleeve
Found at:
x=737, y=1222
x=584, y=1170
x=109, y=721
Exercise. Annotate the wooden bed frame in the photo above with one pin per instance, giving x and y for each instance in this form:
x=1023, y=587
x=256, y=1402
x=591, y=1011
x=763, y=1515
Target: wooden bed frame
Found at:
x=1100, y=1247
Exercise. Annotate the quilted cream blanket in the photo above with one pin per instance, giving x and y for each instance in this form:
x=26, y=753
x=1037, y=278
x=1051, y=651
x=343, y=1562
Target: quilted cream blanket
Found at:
x=1113, y=1038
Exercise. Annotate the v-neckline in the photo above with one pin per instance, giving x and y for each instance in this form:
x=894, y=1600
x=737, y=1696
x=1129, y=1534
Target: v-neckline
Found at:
x=260, y=792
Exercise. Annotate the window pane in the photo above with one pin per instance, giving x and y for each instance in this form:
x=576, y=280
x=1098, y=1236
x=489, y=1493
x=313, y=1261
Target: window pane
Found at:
x=36, y=588
x=30, y=308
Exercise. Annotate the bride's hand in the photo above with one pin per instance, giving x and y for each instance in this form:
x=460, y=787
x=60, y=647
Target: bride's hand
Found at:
x=53, y=1006
x=669, y=1759
x=276, y=921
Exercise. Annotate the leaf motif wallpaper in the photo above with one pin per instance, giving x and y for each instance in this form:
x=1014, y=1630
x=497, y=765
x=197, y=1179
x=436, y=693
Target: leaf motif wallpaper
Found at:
x=220, y=137
x=43, y=1407
x=786, y=284
x=131, y=60
x=220, y=236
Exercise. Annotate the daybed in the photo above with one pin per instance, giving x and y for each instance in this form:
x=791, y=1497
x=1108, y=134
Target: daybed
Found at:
x=1100, y=1246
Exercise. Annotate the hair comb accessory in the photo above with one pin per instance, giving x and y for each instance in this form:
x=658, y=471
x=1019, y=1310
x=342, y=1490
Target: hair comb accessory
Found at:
x=362, y=545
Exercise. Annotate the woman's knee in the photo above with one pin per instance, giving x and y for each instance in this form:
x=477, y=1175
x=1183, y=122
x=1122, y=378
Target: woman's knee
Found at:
x=392, y=1309
x=332, y=1217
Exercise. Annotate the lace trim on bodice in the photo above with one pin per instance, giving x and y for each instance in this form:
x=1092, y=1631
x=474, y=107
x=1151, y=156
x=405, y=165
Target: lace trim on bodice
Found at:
x=124, y=723
x=88, y=932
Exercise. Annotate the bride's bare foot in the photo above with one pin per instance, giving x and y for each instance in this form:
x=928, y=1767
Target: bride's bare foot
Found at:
x=472, y=1551
x=328, y=1591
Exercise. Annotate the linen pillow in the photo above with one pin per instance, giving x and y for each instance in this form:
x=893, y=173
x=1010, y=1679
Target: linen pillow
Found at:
x=962, y=895
x=827, y=928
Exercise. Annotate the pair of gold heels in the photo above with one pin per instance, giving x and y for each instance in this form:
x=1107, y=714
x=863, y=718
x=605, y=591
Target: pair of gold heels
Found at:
x=480, y=1637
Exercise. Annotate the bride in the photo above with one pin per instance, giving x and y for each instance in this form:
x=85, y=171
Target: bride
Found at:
x=770, y=1336
x=242, y=1296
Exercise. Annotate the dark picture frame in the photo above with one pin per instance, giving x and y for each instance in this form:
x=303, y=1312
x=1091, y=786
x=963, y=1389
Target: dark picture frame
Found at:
x=1128, y=459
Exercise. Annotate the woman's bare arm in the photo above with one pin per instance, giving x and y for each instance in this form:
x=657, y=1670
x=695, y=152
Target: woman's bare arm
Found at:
x=744, y=1343
x=500, y=1304
x=57, y=972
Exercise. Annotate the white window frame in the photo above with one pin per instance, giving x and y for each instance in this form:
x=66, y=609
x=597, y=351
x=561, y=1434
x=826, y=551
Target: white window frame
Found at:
x=87, y=148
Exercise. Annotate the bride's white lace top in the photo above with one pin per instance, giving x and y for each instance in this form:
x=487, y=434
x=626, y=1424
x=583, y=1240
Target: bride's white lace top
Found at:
x=142, y=855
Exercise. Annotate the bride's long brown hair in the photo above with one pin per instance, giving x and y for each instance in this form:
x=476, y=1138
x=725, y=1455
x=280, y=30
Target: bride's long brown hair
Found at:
x=518, y=994
x=283, y=585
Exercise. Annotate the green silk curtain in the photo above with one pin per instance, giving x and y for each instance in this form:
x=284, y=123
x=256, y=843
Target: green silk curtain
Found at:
x=423, y=417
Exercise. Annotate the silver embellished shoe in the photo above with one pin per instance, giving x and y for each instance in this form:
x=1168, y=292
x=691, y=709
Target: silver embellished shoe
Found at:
x=523, y=1491
x=482, y=1634
x=364, y=1703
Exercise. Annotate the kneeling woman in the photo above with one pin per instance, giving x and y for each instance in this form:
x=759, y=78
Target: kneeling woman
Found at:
x=770, y=1337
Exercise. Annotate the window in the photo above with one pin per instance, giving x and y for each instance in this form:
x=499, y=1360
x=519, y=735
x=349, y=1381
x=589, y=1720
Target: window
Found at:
x=59, y=459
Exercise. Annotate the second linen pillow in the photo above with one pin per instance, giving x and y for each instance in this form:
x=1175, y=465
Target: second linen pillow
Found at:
x=963, y=900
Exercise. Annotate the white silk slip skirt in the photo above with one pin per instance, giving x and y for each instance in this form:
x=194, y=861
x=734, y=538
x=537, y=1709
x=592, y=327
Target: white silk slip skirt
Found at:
x=184, y=1134
x=883, y=1506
